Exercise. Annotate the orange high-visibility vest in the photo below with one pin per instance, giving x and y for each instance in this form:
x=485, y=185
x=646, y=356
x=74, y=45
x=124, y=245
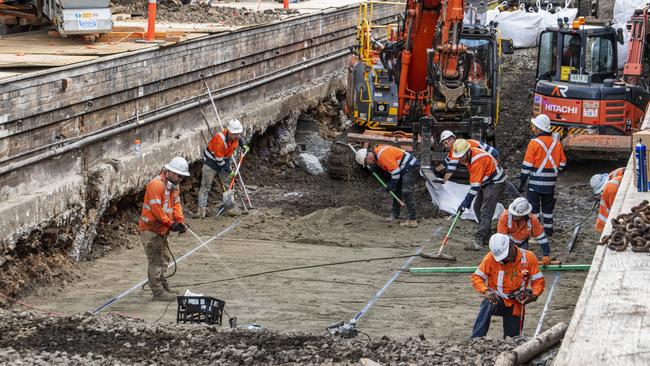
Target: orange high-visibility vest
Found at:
x=607, y=198
x=507, y=279
x=520, y=230
x=543, y=161
x=161, y=207
x=221, y=147
x=393, y=159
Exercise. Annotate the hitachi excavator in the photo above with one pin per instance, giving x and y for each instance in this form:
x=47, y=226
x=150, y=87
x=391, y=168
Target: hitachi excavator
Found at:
x=429, y=73
x=579, y=87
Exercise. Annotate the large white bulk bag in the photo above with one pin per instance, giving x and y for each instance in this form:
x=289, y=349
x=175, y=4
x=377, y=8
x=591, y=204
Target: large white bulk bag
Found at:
x=521, y=26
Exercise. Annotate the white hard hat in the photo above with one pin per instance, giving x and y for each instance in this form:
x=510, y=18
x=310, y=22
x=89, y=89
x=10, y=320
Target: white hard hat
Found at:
x=520, y=207
x=234, y=126
x=542, y=122
x=499, y=246
x=598, y=182
x=179, y=165
x=445, y=135
x=360, y=156
x=460, y=148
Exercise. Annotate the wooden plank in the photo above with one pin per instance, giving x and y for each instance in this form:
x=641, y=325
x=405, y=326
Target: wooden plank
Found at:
x=8, y=19
x=14, y=60
x=610, y=324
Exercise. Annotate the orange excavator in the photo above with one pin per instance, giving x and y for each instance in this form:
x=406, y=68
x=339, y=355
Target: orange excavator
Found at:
x=428, y=73
x=594, y=106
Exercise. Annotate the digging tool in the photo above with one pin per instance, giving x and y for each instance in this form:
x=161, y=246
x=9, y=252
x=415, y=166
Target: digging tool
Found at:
x=205, y=119
x=548, y=301
x=526, y=278
x=213, y=105
x=440, y=255
x=229, y=195
x=574, y=236
x=381, y=181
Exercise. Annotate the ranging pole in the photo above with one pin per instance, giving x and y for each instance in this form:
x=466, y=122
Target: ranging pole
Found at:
x=151, y=25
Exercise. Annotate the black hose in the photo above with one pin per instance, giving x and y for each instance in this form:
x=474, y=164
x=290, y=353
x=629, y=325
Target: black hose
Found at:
x=175, y=265
x=295, y=268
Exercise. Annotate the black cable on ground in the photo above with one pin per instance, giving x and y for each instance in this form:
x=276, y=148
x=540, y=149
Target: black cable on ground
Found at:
x=295, y=269
x=175, y=265
x=365, y=334
x=164, y=312
x=593, y=209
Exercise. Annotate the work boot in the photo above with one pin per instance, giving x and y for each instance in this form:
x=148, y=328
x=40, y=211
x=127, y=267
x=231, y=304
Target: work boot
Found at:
x=163, y=296
x=200, y=213
x=475, y=245
x=390, y=219
x=409, y=223
x=168, y=289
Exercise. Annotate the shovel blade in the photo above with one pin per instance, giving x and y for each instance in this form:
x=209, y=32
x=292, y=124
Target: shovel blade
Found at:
x=229, y=198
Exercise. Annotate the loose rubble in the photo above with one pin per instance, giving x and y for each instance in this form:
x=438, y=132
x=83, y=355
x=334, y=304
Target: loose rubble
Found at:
x=31, y=338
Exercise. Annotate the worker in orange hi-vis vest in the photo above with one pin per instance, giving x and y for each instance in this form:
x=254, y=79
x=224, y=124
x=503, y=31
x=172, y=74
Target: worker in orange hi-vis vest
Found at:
x=487, y=182
x=217, y=159
x=403, y=168
x=502, y=279
x=449, y=165
x=161, y=213
x=542, y=164
x=520, y=225
x=604, y=187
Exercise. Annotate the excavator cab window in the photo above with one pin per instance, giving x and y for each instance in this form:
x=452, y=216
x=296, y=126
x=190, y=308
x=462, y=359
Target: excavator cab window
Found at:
x=599, y=60
x=571, y=52
x=547, y=56
x=480, y=68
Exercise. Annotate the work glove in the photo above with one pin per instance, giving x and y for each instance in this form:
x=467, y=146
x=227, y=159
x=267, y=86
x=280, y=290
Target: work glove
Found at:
x=530, y=297
x=461, y=209
x=522, y=187
x=184, y=228
x=491, y=296
x=546, y=260
x=246, y=149
x=177, y=227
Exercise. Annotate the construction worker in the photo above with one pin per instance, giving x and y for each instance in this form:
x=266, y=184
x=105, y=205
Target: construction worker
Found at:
x=162, y=213
x=217, y=159
x=518, y=223
x=502, y=279
x=542, y=164
x=403, y=169
x=605, y=186
x=447, y=139
x=487, y=181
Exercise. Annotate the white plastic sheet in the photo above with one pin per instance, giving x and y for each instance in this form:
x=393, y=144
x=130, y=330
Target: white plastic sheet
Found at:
x=449, y=196
x=623, y=10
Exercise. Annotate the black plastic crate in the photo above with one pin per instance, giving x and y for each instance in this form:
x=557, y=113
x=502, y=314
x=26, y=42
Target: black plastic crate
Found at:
x=199, y=309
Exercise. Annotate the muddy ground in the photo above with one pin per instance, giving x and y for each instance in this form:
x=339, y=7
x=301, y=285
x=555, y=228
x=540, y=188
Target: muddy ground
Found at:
x=314, y=251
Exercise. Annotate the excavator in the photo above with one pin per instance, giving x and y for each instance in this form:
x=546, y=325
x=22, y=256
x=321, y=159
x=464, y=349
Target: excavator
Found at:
x=408, y=82
x=591, y=104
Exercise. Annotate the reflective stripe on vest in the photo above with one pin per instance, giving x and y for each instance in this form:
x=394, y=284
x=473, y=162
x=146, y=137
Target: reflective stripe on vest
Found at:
x=528, y=222
x=548, y=157
x=211, y=155
x=502, y=274
x=498, y=172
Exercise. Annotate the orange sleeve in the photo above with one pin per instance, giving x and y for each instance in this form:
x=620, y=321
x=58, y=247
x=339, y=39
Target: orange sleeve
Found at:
x=531, y=153
x=480, y=276
x=156, y=193
x=502, y=226
x=178, y=209
x=536, y=276
x=609, y=194
x=536, y=227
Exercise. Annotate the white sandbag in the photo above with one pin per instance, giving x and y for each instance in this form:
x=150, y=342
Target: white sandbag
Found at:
x=549, y=19
x=521, y=26
x=449, y=196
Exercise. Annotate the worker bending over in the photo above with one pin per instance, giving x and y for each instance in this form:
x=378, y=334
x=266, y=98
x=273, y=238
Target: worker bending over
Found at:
x=162, y=213
x=403, y=169
x=542, y=164
x=605, y=186
x=449, y=165
x=487, y=183
x=502, y=279
x=217, y=158
x=520, y=225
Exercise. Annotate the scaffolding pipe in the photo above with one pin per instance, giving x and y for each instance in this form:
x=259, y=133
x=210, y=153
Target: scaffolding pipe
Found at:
x=552, y=268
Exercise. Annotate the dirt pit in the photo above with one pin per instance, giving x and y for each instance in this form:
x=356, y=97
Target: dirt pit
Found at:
x=315, y=251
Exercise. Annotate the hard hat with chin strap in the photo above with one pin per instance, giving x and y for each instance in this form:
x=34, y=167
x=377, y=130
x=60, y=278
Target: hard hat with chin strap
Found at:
x=499, y=246
x=235, y=126
x=542, y=122
x=445, y=135
x=461, y=146
x=520, y=207
x=179, y=166
x=360, y=156
x=598, y=183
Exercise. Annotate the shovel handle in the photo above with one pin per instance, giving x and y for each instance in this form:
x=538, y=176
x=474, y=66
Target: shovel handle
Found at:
x=451, y=228
x=383, y=184
x=232, y=181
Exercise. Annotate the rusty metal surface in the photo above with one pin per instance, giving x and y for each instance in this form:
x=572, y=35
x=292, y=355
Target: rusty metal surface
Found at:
x=605, y=143
x=631, y=229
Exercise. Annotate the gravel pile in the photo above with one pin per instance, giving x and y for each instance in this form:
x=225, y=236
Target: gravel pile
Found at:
x=30, y=338
x=170, y=11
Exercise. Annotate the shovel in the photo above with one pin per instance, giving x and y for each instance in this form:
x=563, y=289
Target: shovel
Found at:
x=229, y=195
x=440, y=255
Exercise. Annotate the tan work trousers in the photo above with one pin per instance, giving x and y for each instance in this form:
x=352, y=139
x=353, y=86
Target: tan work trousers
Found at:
x=155, y=247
